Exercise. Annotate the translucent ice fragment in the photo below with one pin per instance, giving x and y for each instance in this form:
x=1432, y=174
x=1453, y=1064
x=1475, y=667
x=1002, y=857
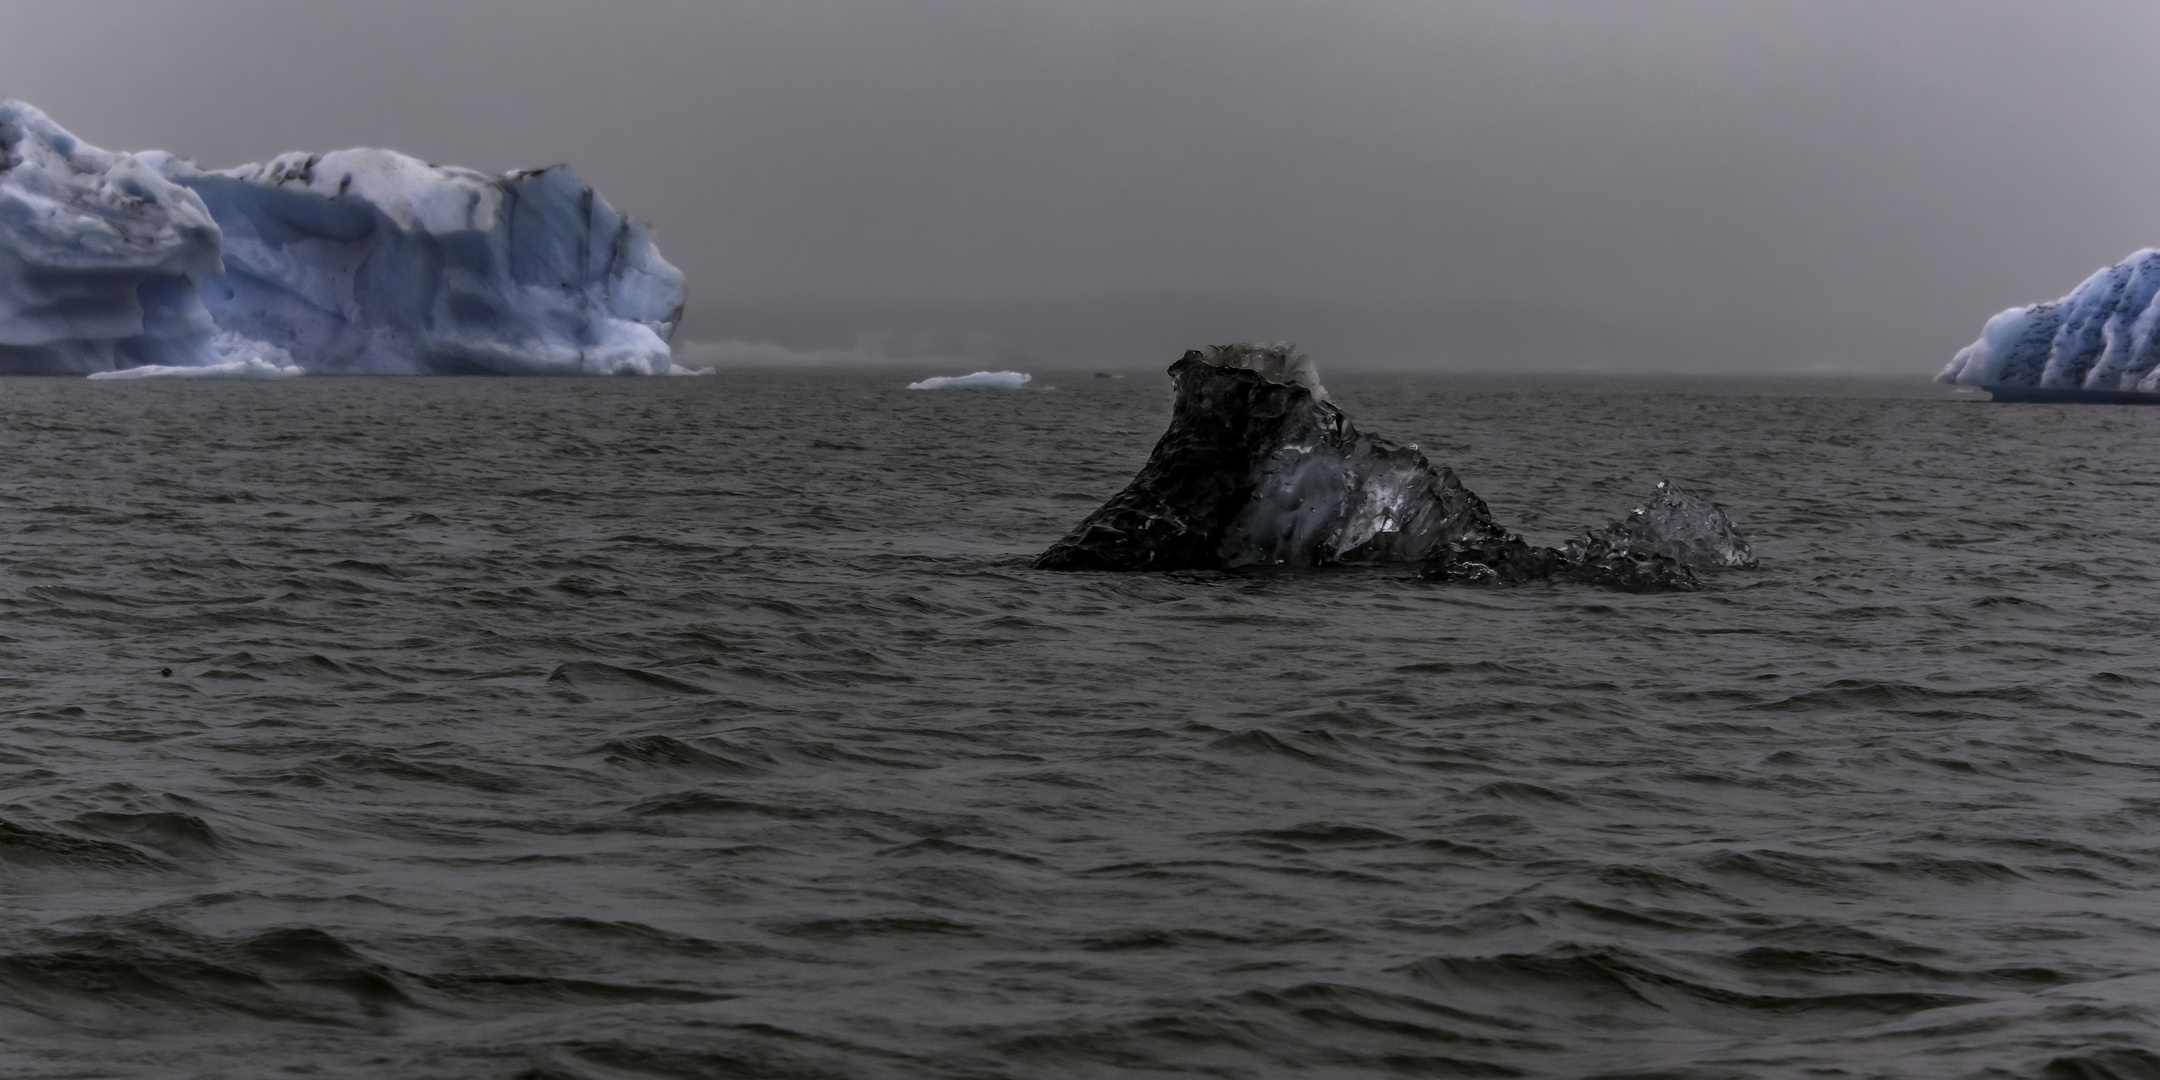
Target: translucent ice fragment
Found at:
x=1675, y=524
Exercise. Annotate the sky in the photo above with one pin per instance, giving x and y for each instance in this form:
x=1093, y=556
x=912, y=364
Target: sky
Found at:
x=1834, y=185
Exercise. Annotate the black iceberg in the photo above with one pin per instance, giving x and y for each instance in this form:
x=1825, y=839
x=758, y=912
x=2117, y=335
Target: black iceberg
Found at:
x=1259, y=468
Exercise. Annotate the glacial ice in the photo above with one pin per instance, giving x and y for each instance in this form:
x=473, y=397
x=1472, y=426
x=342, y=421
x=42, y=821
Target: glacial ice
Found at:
x=1658, y=546
x=357, y=261
x=2104, y=336
x=369, y=261
x=102, y=258
x=1258, y=468
x=1677, y=525
x=981, y=380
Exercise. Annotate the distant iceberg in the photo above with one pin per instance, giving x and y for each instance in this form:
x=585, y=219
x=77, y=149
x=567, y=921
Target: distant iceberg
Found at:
x=1259, y=469
x=2102, y=342
x=357, y=261
x=981, y=380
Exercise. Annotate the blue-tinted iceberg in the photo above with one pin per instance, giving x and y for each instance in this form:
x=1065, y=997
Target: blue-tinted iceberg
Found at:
x=369, y=261
x=1672, y=523
x=358, y=261
x=101, y=257
x=1259, y=469
x=2102, y=337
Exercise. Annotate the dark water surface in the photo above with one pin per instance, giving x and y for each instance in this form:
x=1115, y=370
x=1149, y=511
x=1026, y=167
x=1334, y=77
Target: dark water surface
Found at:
x=717, y=728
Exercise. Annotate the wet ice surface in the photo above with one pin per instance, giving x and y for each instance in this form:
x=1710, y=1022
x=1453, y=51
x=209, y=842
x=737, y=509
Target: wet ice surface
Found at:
x=721, y=730
x=1682, y=526
x=1257, y=469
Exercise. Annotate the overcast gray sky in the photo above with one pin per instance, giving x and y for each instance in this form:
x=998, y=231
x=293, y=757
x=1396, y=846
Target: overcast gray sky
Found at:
x=1666, y=183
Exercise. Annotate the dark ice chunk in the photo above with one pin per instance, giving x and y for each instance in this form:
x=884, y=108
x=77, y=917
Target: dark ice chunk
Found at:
x=1677, y=524
x=1258, y=468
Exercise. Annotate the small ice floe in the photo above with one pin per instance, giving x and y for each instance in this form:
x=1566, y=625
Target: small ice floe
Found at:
x=981, y=380
x=251, y=368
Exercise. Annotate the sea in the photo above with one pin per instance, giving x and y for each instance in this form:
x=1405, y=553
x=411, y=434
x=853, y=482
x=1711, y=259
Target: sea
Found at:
x=616, y=729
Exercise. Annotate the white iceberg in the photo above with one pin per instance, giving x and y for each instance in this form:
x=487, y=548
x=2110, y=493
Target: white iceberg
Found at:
x=102, y=258
x=2103, y=338
x=358, y=261
x=981, y=380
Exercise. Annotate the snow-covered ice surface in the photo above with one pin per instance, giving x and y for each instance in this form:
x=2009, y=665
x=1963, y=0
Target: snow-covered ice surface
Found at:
x=101, y=257
x=2104, y=336
x=981, y=380
x=234, y=369
x=1258, y=469
x=369, y=261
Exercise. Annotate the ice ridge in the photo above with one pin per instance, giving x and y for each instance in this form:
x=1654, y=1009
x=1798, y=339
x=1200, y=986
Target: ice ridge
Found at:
x=1256, y=469
x=357, y=261
x=2104, y=336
